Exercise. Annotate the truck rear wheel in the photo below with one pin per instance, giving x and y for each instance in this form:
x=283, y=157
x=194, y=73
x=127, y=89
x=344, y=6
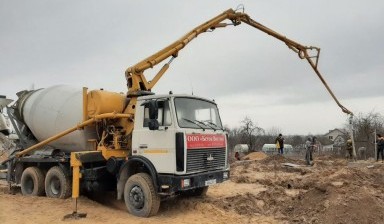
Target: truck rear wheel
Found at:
x=32, y=182
x=57, y=184
x=140, y=196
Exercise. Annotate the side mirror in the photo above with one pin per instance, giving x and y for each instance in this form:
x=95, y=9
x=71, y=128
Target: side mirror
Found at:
x=152, y=106
x=153, y=124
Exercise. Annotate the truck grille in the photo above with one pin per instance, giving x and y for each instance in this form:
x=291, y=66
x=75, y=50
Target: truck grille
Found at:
x=205, y=159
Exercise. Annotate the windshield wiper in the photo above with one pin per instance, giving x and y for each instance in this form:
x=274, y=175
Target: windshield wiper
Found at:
x=218, y=127
x=203, y=122
x=195, y=122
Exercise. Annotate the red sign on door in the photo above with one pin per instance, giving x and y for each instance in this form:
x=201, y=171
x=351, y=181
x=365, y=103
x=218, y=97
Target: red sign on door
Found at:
x=201, y=141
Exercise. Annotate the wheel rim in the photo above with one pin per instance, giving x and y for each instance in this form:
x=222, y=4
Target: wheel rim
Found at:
x=55, y=186
x=136, y=197
x=29, y=185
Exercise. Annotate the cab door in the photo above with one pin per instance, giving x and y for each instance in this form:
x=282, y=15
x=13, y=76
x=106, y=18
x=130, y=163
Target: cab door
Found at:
x=156, y=145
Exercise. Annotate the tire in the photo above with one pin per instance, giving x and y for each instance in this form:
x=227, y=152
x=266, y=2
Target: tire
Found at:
x=32, y=182
x=201, y=191
x=140, y=196
x=57, y=183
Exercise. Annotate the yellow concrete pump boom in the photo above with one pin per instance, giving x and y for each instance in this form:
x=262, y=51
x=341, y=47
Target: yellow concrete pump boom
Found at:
x=137, y=82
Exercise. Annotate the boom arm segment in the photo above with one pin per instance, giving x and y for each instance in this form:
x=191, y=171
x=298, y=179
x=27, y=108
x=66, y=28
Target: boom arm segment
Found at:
x=302, y=51
x=137, y=82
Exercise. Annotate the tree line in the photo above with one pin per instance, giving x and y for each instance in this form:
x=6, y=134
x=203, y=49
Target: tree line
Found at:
x=364, y=127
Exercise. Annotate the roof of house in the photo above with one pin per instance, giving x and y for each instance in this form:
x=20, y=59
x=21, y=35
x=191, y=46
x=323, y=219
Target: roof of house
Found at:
x=334, y=130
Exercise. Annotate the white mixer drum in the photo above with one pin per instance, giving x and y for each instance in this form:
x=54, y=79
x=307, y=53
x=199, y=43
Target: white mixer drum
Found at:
x=50, y=111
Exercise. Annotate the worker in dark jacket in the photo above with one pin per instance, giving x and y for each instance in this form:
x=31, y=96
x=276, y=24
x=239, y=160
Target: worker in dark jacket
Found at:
x=237, y=155
x=350, y=149
x=280, y=144
x=380, y=147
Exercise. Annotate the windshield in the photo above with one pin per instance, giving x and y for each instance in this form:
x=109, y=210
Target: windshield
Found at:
x=195, y=113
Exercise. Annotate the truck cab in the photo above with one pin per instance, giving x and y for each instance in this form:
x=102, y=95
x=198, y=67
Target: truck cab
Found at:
x=187, y=145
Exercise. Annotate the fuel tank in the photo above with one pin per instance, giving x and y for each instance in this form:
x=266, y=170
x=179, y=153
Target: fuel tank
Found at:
x=52, y=110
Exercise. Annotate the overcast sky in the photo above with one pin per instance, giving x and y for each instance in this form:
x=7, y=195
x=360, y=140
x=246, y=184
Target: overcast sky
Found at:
x=248, y=73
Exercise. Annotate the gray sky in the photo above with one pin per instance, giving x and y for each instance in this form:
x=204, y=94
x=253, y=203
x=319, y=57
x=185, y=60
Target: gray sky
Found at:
x=248, y=73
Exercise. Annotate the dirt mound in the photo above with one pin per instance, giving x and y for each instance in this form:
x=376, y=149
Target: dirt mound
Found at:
x=281, y=159
x=331, y=191
x=246, y=204
x=256, y=156
x=334, y=204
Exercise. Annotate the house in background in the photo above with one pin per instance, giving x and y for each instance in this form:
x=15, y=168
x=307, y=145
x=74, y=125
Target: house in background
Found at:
x=336, y=135
x=335, y=139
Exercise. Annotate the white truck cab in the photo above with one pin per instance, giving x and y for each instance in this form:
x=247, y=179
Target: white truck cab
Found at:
x=188, y=146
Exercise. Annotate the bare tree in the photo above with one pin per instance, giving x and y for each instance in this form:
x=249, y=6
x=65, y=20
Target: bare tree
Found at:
x=365, y=126
x=271, y=134
x=251, y=132
x=234, y=136
x=297, y=140
x=274, y=131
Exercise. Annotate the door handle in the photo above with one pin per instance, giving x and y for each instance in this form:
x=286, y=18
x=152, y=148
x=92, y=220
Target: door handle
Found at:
x=143, y=146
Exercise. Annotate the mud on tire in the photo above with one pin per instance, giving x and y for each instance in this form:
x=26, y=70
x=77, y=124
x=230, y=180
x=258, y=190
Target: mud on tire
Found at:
x=32, y=182
x=57, y=183
x=140, y=196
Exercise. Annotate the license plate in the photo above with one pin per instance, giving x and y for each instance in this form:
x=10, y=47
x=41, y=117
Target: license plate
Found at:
x=210, y=182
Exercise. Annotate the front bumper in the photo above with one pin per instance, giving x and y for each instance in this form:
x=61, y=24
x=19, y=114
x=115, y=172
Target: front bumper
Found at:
x=174, y=183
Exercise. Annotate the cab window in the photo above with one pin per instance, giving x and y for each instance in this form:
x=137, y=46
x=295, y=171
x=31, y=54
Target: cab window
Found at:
x=164, y=114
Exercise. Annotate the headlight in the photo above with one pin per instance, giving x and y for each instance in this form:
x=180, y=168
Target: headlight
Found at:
x=186, y=183
x=225, y=175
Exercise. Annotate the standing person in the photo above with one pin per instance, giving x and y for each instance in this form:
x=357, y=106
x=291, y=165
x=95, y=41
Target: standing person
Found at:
x=237, y=156
x=380, y=147
x=309, y=150
x=280, y=144
x=349, y=148
x=313, y=147
x=277, y=146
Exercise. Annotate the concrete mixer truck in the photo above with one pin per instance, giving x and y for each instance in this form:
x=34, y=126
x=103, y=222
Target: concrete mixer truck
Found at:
x=146, y=147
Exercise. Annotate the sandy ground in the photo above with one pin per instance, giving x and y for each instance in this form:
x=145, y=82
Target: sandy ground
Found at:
x=261, y=190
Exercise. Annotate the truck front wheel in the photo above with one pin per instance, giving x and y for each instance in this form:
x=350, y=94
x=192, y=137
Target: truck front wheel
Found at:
x=32, y=182
x=140, y=196
x=57, y=184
